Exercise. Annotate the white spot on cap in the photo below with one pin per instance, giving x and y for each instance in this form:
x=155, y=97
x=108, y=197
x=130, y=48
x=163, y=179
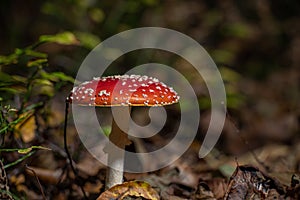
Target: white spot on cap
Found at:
x=155, y=80
x=103, y=92
x=89, y=90
x=74, y=89
x=97, y=78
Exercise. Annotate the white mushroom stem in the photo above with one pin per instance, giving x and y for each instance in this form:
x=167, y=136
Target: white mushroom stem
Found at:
x=116, y=149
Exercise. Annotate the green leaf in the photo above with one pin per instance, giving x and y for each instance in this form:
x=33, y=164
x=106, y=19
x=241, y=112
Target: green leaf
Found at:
x=20, y=79
x=37, y=63
x=88, y=40
x=15, y=57
x=65, y=38
x=19, y=51
x=42, y=87
x=42, y=82
x=4, y=77
x=57, y=76
x=106, y=130
x=12, y=84
x=13, y=90
x=27, y=150
x=10, y=59
x=36, y=54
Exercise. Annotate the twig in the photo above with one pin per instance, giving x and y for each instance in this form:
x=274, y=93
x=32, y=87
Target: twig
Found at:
x=38, y=181
x=67, y=150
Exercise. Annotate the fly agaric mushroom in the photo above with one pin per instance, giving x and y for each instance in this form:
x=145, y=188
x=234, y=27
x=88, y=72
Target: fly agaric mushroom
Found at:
x=121, y=91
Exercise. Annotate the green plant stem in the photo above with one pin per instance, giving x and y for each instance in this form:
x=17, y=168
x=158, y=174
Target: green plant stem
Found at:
x=11, y=124
x=19, y=160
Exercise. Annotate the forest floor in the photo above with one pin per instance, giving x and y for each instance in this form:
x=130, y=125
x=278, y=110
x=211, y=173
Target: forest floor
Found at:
x=260, y=159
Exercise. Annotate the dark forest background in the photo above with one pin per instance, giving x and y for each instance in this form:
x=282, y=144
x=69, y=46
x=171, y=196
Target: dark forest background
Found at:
x=254, y=43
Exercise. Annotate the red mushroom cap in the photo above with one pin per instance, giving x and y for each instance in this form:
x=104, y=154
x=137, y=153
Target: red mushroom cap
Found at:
x=134, y=90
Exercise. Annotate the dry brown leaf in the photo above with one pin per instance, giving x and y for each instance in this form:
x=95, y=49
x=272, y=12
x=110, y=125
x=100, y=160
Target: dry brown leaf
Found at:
x=19, y=182
x=60, y=196
x=46, y=175
x=249, y=182
x=93, y=187
x=30, y=194
x=26, y=128
x=131, y=188
x=293, y=191
x=169, y=183
x=89, y=165
x=55, y=118
x=218, y=187
x=178, y=191
x=203, y=192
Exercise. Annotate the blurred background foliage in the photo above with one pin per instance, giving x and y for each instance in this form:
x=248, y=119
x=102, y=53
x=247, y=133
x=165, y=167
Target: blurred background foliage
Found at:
x=255, y=44
x=252, y=42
